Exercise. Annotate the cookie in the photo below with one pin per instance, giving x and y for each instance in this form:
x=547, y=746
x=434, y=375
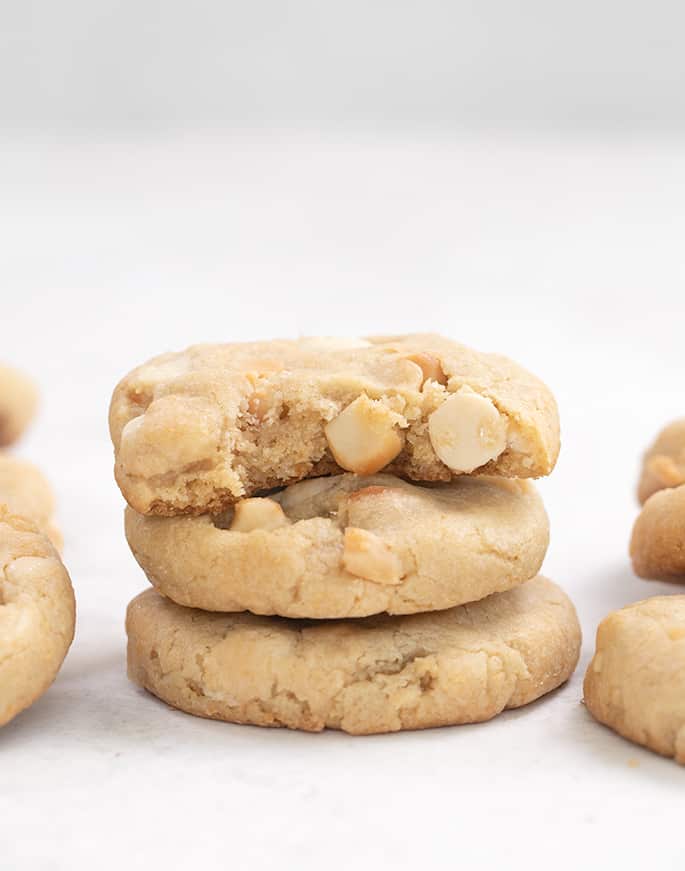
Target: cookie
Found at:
x=195, y=431
x=349, y=546
x=657, y=545
x=25, y=491
x=18, y=401
x=664, y=463
x=37, y=614
x=635, y=683
x=377, y=674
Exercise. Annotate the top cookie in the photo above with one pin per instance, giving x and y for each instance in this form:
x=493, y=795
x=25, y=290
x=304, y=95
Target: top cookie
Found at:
x=18, y=401
x=664, y=463
x=195, y=431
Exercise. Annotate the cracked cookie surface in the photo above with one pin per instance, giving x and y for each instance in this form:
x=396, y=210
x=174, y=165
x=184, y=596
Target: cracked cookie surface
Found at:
x=195, y=431
x=18, y=401
x=663, y=465
x=26, y=492
x=377, y=674
x=37, y=614
x=657, y=545
x=635, y=684
x=349, y=546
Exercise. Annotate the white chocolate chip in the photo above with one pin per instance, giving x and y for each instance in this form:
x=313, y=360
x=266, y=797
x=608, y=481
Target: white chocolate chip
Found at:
x=430, y=366
x=258, y=513
x=367, y=556
x=363, y=438
x=467, y=431
x=174, y=432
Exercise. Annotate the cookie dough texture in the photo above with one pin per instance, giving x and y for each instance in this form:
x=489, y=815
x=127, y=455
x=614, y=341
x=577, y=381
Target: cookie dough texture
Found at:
x=635, y=684
x=18, y=401
x=378, y=674
x=657, y=545
x=350, y=546
x=37, y=614
x=195, y=431
x=25, y=491
x=664, y=463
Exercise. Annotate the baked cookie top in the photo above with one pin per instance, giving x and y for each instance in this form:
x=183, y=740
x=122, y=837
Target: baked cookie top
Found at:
x=18, y=401
x=25, y=491
x=37, y=614
x=635, y=683
x=349, y=546
x=195, y=431
x=663, y=465
x=657, y=545
x=377, y=674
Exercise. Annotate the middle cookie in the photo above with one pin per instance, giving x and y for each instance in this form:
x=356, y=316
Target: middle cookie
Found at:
x=349, y=546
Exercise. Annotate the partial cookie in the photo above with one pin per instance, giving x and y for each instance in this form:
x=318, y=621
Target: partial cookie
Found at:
x=196, y=431
x=37, y=614
x=18, y=401
x=664, y=463
x=25, y=491
x=349, y=546
x=636, y=682
x=657, y=546
x=378, y=674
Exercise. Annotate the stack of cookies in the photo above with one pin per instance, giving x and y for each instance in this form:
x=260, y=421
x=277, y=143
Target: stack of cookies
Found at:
x=339, y=533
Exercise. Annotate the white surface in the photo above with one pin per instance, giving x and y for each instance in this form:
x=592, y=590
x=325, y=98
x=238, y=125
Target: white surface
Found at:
x=569, y=258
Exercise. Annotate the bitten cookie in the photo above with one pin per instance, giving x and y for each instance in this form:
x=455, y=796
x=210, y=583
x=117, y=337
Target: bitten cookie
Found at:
x=18, y=401
x=635, y=683
x=664, y=463
x=25, y=491
x=378, y=674
x=37, y=614
x=349, y=546
x=657, y=546
x=194, y=432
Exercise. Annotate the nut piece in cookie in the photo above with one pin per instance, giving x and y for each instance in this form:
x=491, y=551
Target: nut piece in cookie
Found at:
x=467, y=431
x=429, y=366
x=664, y=463
x=635, y=684
x=257, y=513
x=364, y=438
x=175, y=432
x=368, y=556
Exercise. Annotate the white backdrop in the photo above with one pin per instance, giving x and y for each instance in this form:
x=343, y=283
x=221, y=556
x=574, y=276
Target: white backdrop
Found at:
x=566, y=255
x=131, y=64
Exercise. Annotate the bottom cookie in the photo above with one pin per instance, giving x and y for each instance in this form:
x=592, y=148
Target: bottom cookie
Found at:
x=635, y=683
x=376, y=674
